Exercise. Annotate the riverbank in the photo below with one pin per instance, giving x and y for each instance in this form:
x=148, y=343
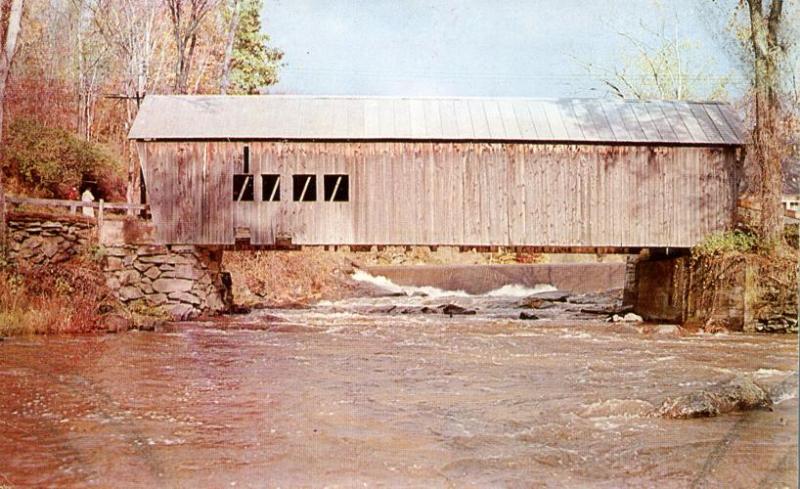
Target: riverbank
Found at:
x=289, y=278
x=67, y=298
x=70, y=297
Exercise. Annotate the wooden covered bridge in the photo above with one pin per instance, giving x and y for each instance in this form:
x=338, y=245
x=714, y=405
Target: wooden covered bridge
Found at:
x=566, y=174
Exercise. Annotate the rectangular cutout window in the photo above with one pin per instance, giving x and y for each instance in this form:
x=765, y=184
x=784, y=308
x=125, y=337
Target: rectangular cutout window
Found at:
x=270, y=188
x=246, y=160
x=242, y=188
x=337, y=188
x=304, y=188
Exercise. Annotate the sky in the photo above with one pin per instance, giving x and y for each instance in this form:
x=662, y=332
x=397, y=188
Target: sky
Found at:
x=530, y=48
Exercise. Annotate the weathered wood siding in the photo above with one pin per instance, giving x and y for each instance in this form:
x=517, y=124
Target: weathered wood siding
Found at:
x=423, y=193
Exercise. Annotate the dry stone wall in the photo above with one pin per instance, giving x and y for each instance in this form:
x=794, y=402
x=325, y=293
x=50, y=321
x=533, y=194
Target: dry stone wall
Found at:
x=43, y=238
x=181, y=281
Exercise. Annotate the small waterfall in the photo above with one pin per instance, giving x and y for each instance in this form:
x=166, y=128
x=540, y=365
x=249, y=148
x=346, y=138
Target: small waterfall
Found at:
x=510, y=290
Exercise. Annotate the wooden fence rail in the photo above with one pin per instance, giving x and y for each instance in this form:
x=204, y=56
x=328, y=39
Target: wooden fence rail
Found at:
x=73, y=205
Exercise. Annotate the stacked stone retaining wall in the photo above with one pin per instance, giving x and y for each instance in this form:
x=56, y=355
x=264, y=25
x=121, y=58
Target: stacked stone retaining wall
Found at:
x=179, y=281
x=39, y=238
x=182, y=281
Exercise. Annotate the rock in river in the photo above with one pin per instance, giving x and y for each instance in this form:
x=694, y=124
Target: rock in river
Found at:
x=541, y=300
x=628, y=318
x=453, y=309
x=739, y=394
x=554, y=295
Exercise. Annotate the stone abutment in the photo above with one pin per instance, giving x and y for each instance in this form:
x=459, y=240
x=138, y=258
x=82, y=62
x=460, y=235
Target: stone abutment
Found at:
x=740, y=292
x=179, y=281
x=182, y=281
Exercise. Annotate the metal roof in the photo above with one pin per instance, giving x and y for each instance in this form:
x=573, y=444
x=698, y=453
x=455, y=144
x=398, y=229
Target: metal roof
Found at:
x=283, y=117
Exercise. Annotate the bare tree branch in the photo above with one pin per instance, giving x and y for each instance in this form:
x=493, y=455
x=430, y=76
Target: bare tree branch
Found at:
x=185, y=25
x=11, y=27
x=226, y=61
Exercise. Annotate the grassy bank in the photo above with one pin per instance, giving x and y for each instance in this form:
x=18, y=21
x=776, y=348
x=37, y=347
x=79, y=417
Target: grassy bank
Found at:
x=69, y=297
x=286, y=278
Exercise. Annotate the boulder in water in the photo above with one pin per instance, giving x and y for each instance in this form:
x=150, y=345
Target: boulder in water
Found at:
x=453, y=309
x=786, y=389
x=117, y=323
x=553, y=296
x=627, y=318
x=608, y=298
x=542, y=300
x=667, y=330
x=662, y=330
x=418, y=310
x=536, y=303
x=739, y=394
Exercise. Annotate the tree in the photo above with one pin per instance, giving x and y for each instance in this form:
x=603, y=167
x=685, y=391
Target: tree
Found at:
x=91, y=55
x=10, y=26
x=253, y=64
x=763, y=36
x=85, y=65
x=133, y=28
x=661, y=62
x=662, y=71
x=767, y=150
x=233, y=27
x=186, y=22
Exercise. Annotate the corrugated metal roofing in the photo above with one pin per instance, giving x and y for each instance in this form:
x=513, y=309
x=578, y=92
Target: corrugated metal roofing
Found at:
x=278, y=117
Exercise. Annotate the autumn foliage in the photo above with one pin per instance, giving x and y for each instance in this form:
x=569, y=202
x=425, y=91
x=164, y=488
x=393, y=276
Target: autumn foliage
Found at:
x=69, y=297
x=82, y=68
x=49, y=161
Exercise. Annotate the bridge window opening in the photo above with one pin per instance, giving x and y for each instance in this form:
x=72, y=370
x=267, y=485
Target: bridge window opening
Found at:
x=337, y=188
x=246, y=160
x=304, y=188
x=242, y=187
x=270, y=188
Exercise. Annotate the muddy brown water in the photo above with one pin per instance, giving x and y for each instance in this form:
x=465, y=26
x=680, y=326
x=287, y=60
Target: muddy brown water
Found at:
x=343, y=396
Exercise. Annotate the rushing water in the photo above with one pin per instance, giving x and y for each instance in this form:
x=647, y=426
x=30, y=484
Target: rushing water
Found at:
x=370, y=393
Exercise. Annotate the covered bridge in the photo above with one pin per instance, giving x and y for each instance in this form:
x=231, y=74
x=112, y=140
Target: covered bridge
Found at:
x=437, y=171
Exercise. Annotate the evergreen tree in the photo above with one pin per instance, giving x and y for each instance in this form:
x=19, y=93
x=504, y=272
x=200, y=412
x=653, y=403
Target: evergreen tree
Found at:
x=254, y=64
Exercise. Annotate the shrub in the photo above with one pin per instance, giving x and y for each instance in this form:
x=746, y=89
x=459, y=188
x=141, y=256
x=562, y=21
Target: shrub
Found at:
x=725, y=243
x=48, y=161
x=65, y=298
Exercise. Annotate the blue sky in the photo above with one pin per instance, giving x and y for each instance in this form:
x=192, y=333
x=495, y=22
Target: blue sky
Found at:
x=535, y=48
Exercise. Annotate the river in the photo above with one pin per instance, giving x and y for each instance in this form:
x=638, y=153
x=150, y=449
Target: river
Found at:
x=373, y=393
